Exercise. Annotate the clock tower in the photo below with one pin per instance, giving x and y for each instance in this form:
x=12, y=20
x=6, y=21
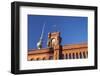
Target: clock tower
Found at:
x=54, y=41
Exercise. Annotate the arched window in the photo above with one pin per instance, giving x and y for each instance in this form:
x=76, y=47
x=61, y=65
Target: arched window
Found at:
x=84, y=55
x=31, y=59
x=73, y=56
x=44, y=58
x=80, y=55
x=76, y=55
x=69, y=55
x=66, y=56
x=87, y=54
x=37, y=59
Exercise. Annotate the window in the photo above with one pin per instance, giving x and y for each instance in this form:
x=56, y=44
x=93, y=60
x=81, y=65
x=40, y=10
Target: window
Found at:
x=66, y=56
x=69, y=55
x=31, y=59
x=73, y=56
x=84, y=55
x=87, y=53
x=80, y=55
x=77, y=55
x=37, y=59
x=44, y=58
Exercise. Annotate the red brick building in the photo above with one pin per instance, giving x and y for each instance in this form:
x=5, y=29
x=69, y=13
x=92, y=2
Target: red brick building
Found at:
x=56, y=51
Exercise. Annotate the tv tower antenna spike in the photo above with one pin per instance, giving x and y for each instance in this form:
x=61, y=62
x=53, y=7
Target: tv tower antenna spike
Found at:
x=39, y=44
x=42, y=32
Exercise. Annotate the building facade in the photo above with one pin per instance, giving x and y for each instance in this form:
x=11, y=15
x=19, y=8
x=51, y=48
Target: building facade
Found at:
x=56, y=51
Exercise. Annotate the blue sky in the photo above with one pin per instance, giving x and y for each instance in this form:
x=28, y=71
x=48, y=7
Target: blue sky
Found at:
x=73, y=29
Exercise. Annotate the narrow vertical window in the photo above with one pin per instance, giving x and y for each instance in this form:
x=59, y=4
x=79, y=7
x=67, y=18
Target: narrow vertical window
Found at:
x=69, y=55
x=84, y=55
x=76, y=55
x=66, y=56
x=73, y=56
x=80, y=55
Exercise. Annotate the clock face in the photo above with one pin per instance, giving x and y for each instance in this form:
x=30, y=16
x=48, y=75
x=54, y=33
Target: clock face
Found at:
x=53, y=41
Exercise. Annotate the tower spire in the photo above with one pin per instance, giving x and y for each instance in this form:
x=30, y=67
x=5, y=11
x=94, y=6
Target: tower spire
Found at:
x=39, y=44
x=42, y=32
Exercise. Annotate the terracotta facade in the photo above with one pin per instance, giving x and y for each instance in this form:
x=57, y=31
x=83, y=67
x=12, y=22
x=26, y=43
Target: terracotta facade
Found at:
x=56, y=51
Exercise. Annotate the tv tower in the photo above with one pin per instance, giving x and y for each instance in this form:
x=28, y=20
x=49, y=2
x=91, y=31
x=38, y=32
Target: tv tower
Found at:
x=39, y=44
